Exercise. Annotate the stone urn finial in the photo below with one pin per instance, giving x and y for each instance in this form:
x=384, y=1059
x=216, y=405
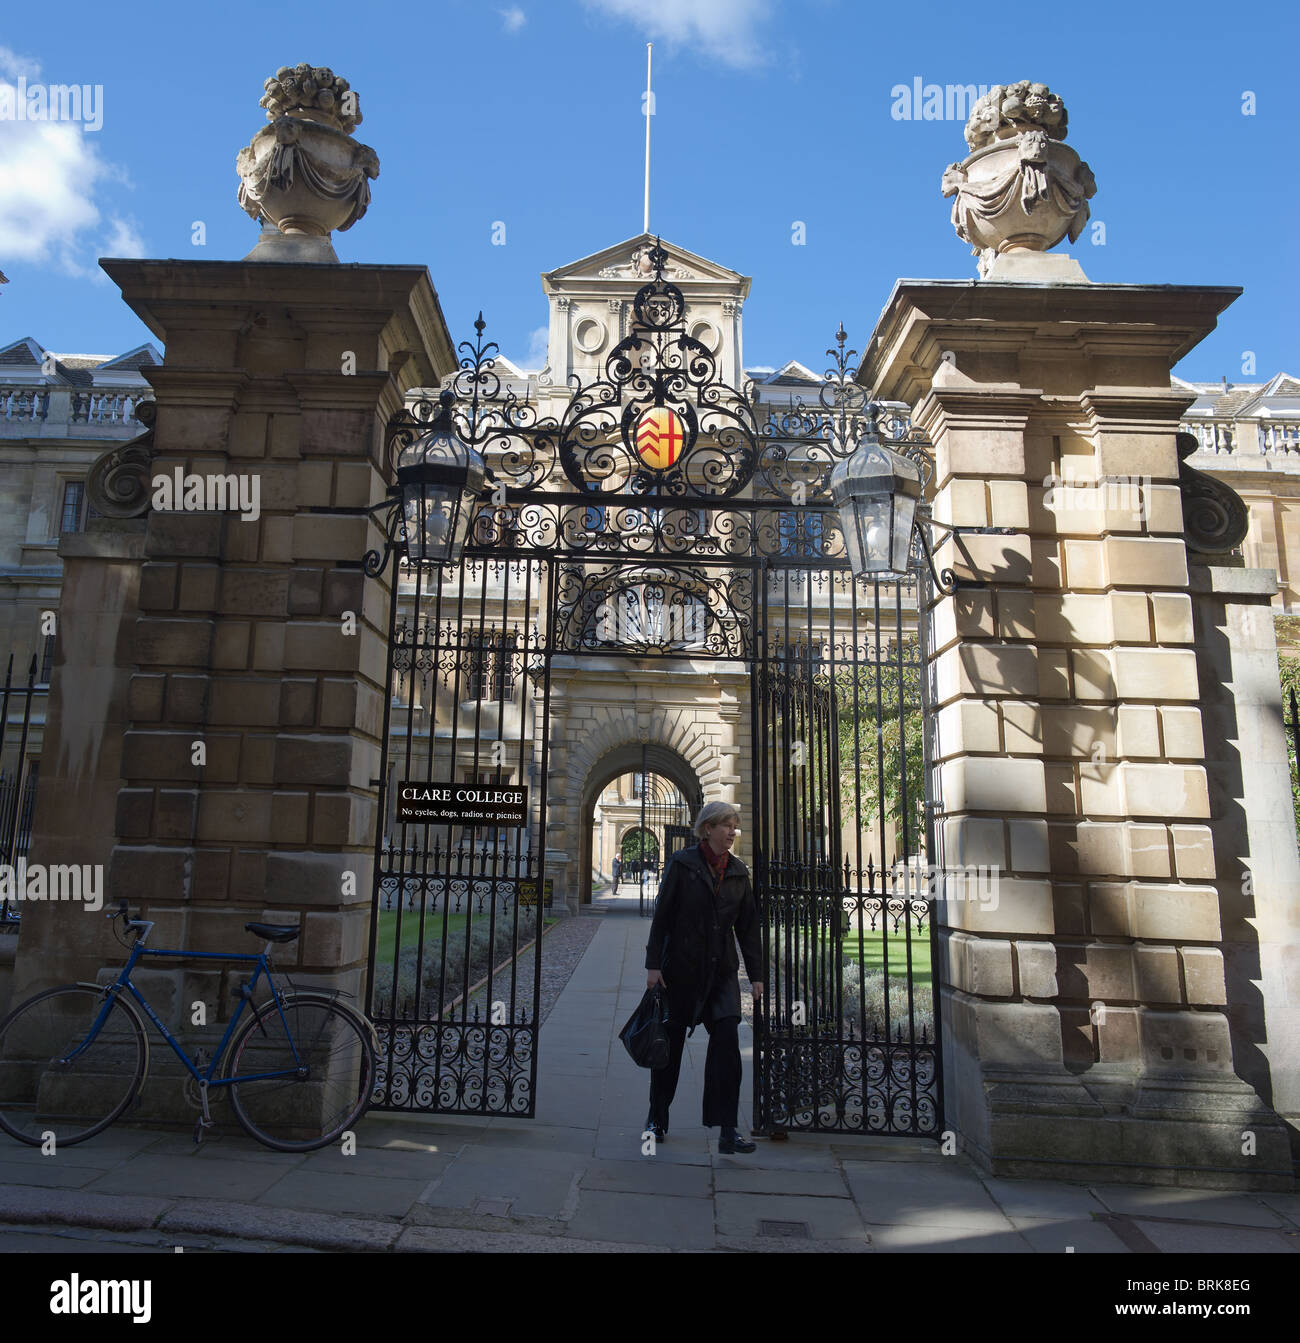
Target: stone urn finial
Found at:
x=304, y=175
x=1021, y=189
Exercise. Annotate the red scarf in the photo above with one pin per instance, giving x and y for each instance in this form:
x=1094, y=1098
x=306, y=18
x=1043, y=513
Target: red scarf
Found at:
x=717, y=862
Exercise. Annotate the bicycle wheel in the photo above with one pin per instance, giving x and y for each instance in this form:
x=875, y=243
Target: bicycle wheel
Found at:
x=55, y=1078
x=299, y=1089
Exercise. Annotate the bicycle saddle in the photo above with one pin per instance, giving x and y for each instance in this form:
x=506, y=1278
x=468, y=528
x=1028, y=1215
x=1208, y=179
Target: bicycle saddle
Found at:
x=273, y=932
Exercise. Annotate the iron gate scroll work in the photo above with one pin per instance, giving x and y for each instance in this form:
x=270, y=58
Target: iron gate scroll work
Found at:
x=660, y=514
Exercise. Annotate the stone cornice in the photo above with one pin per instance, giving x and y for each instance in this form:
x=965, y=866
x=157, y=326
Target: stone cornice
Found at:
x=328, y=389
x=176, y=385
x=923, y=318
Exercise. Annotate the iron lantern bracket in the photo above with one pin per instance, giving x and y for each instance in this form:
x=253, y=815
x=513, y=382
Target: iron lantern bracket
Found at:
x=945, y=580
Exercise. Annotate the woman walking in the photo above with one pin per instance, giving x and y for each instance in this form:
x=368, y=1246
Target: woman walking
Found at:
x=705, y=893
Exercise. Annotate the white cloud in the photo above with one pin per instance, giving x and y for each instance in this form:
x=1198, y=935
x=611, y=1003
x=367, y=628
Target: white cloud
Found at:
x=514, y=18
x=725, y=30
x=537, y=342
x=52, y=171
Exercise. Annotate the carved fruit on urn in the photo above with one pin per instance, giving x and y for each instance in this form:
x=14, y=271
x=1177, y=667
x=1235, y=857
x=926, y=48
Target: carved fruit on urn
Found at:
x=1021, y=188
x=304, y=172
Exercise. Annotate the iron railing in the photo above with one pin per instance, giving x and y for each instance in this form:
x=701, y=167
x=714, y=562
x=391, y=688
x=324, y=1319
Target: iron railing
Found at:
x=22, y=708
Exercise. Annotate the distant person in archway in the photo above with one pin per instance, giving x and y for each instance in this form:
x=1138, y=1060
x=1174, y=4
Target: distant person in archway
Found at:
x=618, y=872
x=705, y=893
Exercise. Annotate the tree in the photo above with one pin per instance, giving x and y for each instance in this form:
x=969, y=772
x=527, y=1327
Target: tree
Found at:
x=882, y=742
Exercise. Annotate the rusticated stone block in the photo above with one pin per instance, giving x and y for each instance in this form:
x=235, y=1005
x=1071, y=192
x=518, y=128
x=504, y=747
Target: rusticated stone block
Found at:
x=211, y=877
x=179, y=643
x=356, y=485
x=134, y=813
x=1108, y=970
x=1084, y=565
x=276, y=541
x=1173, y=617
x=338, y=702
x=315, y=485
x=328, y=536
x=257, y=759
x=1068, y=916
x=1193, y=852
x=289, y=817
x=1173, y=791
x=196, y=535
x=1017, y=1035
x=255, y=592
x=1183, y=736
x=323, y=762
x=298, y=703
x=199, y=586
x=1029, y=846
x=1203, y=972
x=1018, y=906
x=1157, y=975
x=230, y=645
x=236, y=816
x=187, y=698
x=158, y=587
x=1131, y=617
x=1107, y=904
x=305, y=587
x=1175, y=913
x=983, y=784
x=148, y=868
x=245, y=701
x=313, y=646
x=1022, y=729
x=1185, y=1042
x=343, y=819
x=344, y=591
x=176, y=811
x=1146, y=562
x=1092, y=673
x=1156, y=673
x=1036, y=967
x=1118, y=1039
x=248, y=875
x=1147, y=851
x=159, y=755
x=335, y=940
x=1076, y=1036
x=144, y=697
x=298, y=878
x=1073, y=617
x=1074, y=731
x=268, y=645
x=1139, y=732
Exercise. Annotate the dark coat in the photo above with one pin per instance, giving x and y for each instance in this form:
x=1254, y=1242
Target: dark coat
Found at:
x=691, y=940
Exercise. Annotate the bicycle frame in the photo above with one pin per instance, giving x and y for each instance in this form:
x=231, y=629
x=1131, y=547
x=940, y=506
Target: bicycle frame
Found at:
x=209, y=1078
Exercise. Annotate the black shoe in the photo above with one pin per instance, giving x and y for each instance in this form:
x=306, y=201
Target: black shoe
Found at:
x=657, y=1130
x=731, y=1142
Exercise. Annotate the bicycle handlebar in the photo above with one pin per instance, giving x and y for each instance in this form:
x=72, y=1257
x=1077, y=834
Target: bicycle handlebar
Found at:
x=140, y=927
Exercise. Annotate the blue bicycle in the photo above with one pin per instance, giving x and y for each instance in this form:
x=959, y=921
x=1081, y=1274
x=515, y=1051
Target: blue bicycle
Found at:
x=74, y=1059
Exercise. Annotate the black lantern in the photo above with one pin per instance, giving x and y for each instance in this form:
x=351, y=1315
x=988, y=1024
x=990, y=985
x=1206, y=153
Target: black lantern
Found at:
x=876, y=491
x=439, y=477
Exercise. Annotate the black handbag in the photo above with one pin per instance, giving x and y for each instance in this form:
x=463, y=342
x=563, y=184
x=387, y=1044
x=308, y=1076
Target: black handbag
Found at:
x=645, y=1037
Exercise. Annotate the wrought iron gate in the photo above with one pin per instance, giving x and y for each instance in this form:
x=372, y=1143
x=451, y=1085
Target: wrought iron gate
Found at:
x=660, y=514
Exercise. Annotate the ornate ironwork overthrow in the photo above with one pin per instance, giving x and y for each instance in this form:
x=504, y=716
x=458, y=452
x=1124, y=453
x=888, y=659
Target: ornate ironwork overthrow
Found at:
x=117, y=484
x=1214, y=515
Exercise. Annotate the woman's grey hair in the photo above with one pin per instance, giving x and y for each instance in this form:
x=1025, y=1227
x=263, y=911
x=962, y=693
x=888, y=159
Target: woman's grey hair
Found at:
x=713, y=812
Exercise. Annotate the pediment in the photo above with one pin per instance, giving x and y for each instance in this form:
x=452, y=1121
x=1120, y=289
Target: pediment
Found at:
x=625, y=262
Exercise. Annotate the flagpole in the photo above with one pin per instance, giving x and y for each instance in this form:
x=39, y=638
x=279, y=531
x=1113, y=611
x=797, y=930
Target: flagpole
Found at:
x=649, y=109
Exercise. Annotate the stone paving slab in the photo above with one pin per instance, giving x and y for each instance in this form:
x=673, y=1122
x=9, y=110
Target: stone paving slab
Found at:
x=648, y=1175
x=378, y=1161
x=178, y=1176
x=55, y=1172
x=427, y=1239
x=538, y=1137
x=827, y=1218
x=1187, y=1205
x=925, y=1195
x=655, y=1219
x=1037, y=1199
x=530, y=1183
x=1074, y=1235
x=1183, y=1238
x=323, y=1192
x=732, y=1178
x=923, y=1239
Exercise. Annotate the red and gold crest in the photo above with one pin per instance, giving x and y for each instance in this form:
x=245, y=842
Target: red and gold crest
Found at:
x=659, y=438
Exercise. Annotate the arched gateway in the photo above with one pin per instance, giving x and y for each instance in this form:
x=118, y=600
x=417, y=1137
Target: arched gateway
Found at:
x=653, y=579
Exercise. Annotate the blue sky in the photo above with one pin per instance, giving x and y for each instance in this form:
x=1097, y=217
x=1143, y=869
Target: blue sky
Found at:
x=767, y=113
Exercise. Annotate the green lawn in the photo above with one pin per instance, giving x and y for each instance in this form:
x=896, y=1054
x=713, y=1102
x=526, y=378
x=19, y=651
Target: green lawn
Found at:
x=386, y=935
x=873, y=955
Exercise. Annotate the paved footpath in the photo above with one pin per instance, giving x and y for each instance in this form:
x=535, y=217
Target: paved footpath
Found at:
x=574, y=1178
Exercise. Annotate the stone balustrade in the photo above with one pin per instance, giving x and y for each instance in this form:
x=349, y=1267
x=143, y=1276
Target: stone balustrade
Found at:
x=1242, y=437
